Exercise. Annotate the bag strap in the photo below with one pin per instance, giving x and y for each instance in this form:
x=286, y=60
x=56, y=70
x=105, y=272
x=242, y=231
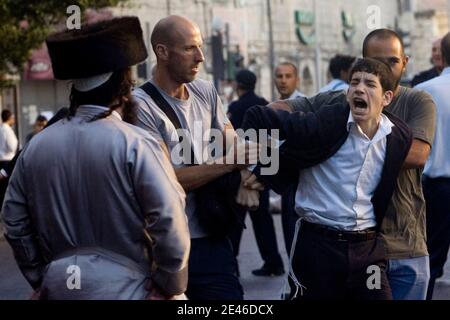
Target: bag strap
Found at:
x=150, y=89
x=162, y=103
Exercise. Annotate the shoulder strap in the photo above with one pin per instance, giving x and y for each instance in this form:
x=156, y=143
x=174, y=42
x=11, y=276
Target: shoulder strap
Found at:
x=162, y=103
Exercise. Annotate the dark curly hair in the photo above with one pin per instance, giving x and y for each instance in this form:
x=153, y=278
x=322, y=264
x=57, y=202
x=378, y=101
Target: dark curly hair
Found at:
x=378, y=67
x=114, y=93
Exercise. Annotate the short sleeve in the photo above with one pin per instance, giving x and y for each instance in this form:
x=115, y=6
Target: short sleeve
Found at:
x=145, y=117
x=220, y=118
x=421, y=117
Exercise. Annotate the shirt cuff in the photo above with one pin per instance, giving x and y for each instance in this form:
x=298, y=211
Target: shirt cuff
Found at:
x=4, y=173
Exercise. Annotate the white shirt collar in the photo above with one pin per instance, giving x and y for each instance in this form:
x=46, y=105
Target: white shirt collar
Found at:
x=384, y=127
x=92, y=106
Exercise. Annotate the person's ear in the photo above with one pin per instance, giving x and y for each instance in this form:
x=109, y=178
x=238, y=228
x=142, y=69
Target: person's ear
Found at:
x=162, y=52
x=387, y=97
x=405, y=62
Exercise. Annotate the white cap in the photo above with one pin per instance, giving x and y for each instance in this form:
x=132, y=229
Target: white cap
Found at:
x=87, y=84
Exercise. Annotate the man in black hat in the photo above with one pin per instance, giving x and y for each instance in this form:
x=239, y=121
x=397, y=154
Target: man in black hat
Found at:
x=261, y=218
x=93, y=209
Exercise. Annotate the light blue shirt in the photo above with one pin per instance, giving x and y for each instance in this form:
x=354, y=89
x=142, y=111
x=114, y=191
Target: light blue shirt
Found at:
x=335, y=85
x=338, y=191
x=438, y=164
x=296, y=94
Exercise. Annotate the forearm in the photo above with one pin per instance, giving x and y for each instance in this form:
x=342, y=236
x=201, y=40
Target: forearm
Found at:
x=194, y=177
x=417, y=155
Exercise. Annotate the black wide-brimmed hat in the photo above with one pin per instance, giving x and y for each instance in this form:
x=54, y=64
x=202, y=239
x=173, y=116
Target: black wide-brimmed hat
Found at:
x=97, y=48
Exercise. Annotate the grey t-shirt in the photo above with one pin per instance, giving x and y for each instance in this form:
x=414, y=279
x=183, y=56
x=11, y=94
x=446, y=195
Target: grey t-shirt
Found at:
x=200, y=112
x=404, y=228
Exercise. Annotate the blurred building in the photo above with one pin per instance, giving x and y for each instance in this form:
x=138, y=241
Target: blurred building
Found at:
x=306, y=32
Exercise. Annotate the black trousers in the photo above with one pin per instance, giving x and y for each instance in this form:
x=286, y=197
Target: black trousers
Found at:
x=213, y=270
x=437, y=197
x=288, y=216
x=336, y=269
x=264, y=230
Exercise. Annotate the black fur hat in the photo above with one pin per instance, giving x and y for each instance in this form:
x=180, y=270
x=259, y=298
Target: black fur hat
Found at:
x=97, y=48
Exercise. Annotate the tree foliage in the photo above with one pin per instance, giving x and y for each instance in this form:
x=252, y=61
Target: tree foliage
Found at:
x=26, y=23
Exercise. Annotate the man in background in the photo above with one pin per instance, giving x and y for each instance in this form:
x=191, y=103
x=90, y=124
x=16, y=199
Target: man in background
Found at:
x=8, y=139
x=287, y=81
x=262, y=220
x=339, y=69
x=436, y=175
x=404, y=229
x=39, y=124
x=436, y=61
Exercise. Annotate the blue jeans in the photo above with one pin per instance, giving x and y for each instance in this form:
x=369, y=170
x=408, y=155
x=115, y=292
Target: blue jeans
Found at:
x=409, y=278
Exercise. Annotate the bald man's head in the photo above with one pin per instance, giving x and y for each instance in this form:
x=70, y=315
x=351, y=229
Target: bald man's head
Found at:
x=169, y=30
x=177, y=43
x=436, y=54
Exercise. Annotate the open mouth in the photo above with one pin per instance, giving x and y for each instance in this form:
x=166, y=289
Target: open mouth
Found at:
x=359, y=103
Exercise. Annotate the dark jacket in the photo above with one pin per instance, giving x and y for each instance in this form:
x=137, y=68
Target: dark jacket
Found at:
x=314, y=136
x=238, y=108
x=424, y=76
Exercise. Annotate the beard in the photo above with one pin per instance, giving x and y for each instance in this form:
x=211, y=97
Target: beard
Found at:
x=129, y=111
x=178, y=75
x=397, y=81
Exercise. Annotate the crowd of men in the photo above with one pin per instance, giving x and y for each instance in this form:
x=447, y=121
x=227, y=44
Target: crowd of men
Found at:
x=106, y=188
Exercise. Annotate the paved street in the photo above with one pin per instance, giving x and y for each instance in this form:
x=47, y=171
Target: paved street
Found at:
x=13, y=285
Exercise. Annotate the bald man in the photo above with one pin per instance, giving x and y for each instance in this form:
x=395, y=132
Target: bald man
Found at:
x=177, y=43
x=436, y=60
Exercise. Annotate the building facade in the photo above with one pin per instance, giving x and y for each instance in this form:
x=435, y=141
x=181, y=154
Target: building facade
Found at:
x=306, y=32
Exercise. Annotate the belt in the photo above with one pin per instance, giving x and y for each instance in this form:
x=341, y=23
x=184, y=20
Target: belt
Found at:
x=339, y=235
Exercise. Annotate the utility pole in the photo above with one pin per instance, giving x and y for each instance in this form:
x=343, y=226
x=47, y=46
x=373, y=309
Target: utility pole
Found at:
x=448, y=12
x=229, y=74
x=317, y=51
x=168, y=7
x=271, y=52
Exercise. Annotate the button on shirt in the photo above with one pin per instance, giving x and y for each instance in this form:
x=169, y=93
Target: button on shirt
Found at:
x=338, y=192
x=438, y=164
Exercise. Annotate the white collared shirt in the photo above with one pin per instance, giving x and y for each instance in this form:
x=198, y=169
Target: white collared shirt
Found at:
x=8, y=142
x=438, y=164
x=338, y=191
